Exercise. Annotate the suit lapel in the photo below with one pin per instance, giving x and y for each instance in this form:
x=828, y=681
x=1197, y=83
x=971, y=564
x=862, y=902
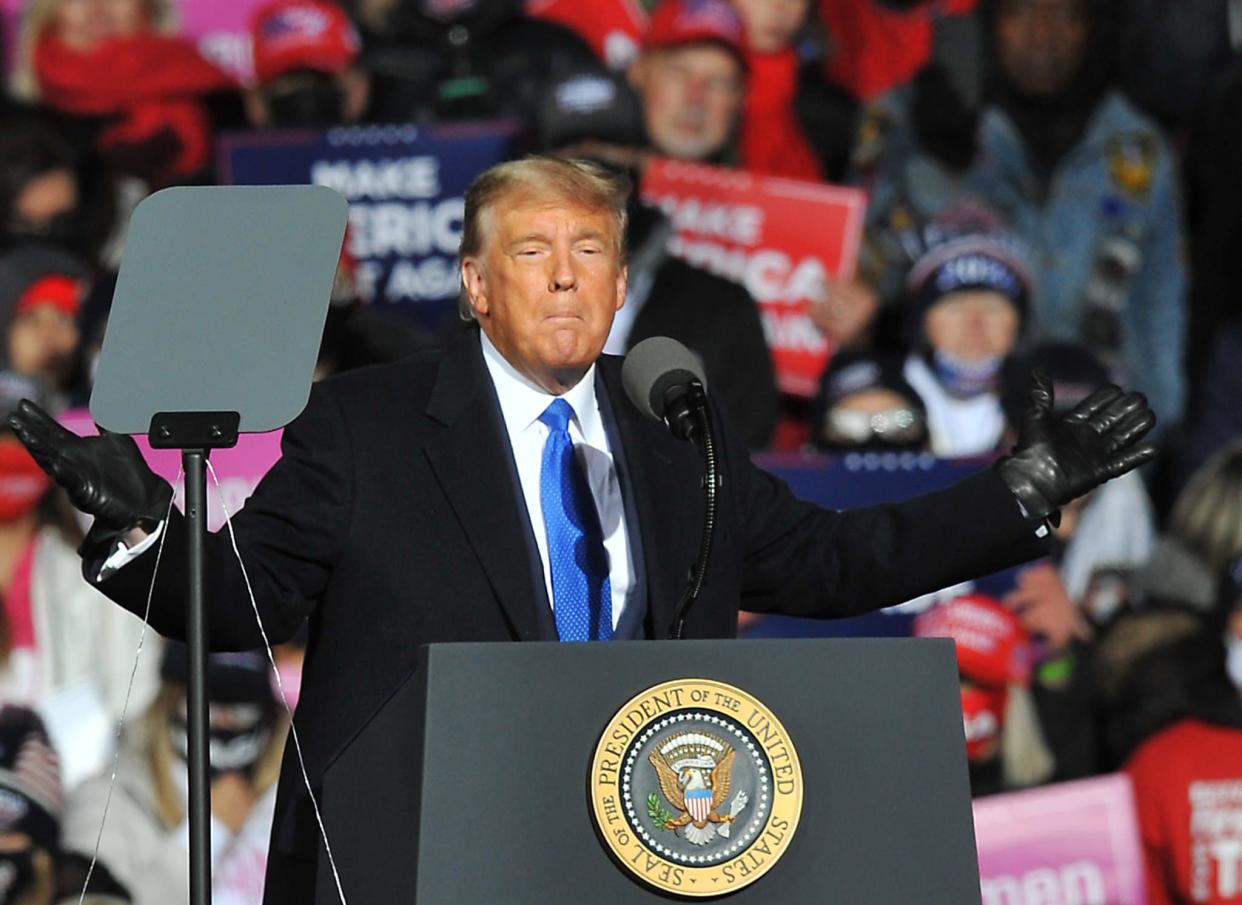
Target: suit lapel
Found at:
x=473, y=462
x=663, y=476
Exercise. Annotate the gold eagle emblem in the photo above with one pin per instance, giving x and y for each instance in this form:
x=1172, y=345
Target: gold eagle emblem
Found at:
x=695, y=772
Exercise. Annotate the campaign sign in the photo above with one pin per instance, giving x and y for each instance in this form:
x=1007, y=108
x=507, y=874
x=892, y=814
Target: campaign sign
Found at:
x=780, y=238
x=1075, y=842
x=239, y=468
x=405, y=186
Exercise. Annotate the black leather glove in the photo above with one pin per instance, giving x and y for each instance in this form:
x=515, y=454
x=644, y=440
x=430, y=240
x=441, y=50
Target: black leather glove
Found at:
x=1059, y=459
x=105, y=476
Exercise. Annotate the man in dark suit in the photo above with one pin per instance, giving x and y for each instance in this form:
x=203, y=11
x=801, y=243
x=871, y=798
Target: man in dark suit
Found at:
x=429, y=500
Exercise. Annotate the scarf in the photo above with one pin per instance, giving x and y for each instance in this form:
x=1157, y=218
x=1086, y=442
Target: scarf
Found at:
x=151, y=84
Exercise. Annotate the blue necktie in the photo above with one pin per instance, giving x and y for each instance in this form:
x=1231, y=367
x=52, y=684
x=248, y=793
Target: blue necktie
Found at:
x=581, y=591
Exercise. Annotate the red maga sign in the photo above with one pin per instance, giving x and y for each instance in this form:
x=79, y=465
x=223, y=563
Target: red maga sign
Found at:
x=780, y=238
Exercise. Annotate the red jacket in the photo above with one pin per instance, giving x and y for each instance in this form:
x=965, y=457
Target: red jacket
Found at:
x=1188, y=787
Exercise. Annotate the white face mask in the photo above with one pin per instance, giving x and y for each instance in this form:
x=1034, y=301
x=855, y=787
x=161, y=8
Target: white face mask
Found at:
x=1233, y=659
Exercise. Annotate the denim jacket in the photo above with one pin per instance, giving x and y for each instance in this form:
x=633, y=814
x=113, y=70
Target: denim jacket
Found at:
x=1104, y=233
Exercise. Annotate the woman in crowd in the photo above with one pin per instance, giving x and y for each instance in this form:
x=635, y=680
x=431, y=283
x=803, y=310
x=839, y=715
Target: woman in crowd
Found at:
x=116, y=61
x=62, y=648
x=146, y=845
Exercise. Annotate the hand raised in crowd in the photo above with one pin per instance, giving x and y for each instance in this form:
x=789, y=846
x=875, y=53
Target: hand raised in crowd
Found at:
x=1046, y=608
x=105, y=476
x=1058, y=459
x=844, y=311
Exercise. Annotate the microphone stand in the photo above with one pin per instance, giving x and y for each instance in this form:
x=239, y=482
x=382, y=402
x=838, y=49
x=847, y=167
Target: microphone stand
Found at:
x=688, y=418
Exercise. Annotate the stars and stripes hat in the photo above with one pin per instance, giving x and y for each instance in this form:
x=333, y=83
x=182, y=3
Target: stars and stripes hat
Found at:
x=677, y=22
x=302, y=34
x=31, y=798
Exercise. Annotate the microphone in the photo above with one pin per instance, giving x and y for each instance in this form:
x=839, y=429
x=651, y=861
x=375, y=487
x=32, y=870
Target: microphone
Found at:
x=665, y=381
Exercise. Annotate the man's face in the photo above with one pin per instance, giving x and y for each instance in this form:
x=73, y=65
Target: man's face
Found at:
x=1041, y=43
x=43, y=342
x=691, y=97
x=45, y=198
x=546, y=285
x=972, y=325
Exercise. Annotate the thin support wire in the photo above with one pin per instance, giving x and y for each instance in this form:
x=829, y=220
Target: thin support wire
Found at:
x=267, y=645
x=120, y=726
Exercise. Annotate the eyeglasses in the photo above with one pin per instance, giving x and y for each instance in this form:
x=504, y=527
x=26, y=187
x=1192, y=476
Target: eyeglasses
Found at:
x=898, y=425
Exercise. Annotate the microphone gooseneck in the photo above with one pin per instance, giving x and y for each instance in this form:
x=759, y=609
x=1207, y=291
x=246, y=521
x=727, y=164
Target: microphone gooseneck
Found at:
x=665, y=381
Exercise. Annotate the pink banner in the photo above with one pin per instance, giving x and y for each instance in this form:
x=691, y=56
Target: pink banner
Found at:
x=239, y=469
x=222, y=31
x=1075, y=843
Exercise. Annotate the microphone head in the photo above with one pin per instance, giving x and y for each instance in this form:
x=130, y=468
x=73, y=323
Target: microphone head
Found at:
x=653, y=367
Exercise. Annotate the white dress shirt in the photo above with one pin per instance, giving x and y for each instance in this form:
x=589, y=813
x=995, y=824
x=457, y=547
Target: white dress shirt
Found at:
x=521, y=403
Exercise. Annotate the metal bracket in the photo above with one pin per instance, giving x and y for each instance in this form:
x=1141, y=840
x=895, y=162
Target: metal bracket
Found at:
x=193, y=430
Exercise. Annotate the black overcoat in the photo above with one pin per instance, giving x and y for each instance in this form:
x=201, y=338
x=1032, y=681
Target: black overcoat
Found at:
x=393, y=519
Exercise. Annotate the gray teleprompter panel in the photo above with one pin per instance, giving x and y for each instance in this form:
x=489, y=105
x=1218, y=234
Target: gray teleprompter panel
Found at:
x=488, y=748
x=220, y=305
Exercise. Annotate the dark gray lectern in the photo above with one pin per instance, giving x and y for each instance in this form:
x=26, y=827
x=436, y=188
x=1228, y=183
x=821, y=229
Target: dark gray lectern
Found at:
x=471, y=783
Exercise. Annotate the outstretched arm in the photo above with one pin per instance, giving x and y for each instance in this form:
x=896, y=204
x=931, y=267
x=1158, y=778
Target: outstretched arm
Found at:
x=290, y=532
x=804, y=560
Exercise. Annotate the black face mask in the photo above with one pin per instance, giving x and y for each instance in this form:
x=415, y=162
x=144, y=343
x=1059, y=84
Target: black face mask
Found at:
x=318, y=106
x=230, y=750
x=64, y=230
x=16, y=875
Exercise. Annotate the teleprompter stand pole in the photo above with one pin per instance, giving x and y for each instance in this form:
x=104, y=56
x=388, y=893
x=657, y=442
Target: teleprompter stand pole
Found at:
x=196, y=434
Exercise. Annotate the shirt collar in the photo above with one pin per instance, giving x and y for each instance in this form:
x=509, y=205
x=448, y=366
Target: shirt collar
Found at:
x=522, y=401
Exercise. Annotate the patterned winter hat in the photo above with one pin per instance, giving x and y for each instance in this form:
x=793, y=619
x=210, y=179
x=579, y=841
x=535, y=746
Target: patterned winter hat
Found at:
x=31, y=799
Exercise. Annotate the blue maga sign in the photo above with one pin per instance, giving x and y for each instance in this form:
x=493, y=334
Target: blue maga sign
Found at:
x=405, y=185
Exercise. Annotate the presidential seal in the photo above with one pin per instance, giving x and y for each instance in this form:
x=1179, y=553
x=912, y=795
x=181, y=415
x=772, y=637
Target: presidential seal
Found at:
x=696, y=787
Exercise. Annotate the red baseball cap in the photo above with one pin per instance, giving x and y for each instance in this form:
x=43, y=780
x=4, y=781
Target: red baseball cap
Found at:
x=677, y=22
x=993, y=649
x=62, y=292
x=302, y=34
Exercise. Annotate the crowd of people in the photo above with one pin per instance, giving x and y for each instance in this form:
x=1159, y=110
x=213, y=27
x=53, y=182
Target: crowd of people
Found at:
x=1051, y=185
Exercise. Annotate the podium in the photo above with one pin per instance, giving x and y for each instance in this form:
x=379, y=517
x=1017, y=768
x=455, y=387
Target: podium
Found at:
x=487, y=776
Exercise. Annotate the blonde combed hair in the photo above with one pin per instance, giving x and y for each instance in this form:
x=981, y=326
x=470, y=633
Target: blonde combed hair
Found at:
x=1207, y=516
x=578, y=182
